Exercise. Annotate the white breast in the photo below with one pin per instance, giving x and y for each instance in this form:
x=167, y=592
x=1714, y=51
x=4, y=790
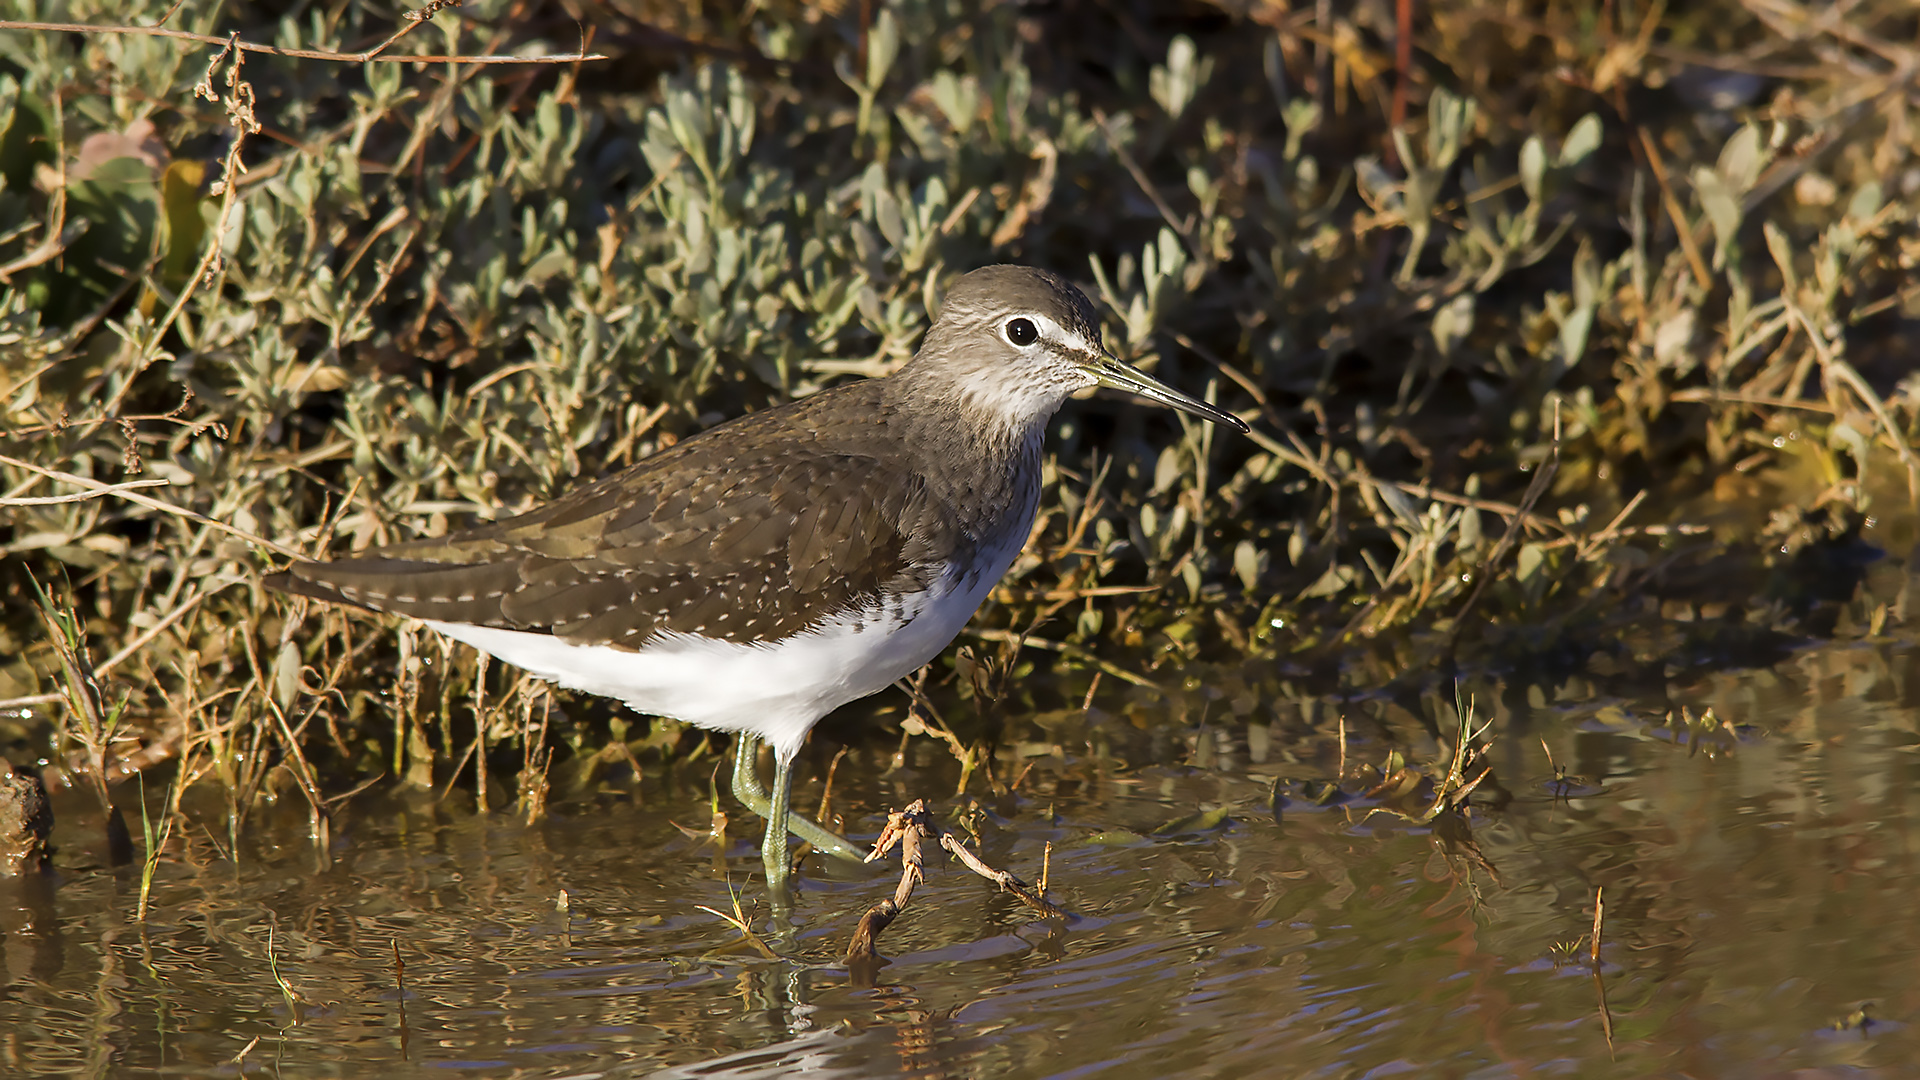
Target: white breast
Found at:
x=777, y=690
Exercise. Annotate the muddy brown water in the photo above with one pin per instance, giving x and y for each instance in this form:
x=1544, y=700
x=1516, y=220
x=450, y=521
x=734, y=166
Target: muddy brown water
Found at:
x=1760, y=918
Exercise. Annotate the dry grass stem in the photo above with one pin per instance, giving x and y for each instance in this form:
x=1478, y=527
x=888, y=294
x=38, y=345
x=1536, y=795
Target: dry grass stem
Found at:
x=367, y=56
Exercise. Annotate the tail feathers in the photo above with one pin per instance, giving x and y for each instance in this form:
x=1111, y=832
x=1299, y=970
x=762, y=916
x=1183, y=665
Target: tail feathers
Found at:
x=449, y=592
x=292, y=584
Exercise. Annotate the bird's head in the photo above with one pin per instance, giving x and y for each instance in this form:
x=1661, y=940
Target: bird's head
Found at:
x=1018, y=341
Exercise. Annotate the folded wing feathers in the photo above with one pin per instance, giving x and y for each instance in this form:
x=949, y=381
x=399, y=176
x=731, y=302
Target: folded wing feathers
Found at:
x=722, y=556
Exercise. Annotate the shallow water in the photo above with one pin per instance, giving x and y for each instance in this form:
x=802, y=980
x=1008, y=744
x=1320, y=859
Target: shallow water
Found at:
x=1759, y=890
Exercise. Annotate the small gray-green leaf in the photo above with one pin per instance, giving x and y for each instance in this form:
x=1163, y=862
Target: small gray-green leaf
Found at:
x=1246, y=564
x=886, y=214
x=958, y=98
x=1722, y=204
x=1530, y=559
x=1741, y=159
x=1865, y=202
x=1470, y=534
x=1333, y=581
x=1533, y=167
x=883, y=45
x=1584, y=139
x=286, y=675
x=1573, y=335
x=1403, y=505
x=869, y=303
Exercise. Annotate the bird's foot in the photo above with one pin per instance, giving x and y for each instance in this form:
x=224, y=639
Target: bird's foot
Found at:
x=747, y=789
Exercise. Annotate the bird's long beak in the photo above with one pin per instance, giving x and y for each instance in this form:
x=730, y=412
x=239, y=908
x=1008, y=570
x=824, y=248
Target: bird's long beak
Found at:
x=1106, y=371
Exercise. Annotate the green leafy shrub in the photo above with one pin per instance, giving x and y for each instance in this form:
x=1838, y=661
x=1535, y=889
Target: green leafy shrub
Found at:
x=1610, y=258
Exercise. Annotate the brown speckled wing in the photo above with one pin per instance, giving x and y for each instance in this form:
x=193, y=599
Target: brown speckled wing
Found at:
x=750, y=532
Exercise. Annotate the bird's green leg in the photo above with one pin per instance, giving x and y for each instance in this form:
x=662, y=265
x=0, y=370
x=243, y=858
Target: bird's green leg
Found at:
x=773, y=847
x=746, y=788
x=746, y=782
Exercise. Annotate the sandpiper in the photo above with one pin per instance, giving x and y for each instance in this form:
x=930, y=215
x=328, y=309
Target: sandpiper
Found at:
x=755, y=577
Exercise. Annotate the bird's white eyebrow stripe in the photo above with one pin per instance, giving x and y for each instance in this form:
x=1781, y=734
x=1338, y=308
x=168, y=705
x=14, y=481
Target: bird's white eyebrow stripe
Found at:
x=1060, y=339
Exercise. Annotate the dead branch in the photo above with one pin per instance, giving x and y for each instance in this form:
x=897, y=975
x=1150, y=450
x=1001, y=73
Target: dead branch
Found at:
x=910, y=829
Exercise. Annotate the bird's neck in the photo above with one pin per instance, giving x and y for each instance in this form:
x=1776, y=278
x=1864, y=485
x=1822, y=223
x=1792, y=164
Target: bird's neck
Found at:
x=980, y=456
x=992, y=402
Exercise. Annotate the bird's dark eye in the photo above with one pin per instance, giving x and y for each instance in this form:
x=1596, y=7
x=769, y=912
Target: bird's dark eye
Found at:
x=1022, y=332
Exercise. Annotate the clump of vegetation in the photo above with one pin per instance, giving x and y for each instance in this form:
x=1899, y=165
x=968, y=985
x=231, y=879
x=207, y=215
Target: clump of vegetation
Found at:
x=1563, y=336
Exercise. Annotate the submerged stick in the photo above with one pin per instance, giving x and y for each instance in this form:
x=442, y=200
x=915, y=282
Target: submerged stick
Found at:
x=910, y=829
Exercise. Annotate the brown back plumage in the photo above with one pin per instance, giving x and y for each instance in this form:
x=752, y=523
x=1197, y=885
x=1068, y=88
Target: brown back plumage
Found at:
x=748, y=532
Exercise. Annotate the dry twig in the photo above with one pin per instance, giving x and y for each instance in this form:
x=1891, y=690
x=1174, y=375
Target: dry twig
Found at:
x=910, y=829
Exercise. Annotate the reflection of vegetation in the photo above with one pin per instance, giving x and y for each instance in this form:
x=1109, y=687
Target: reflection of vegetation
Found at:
x=456, y=289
